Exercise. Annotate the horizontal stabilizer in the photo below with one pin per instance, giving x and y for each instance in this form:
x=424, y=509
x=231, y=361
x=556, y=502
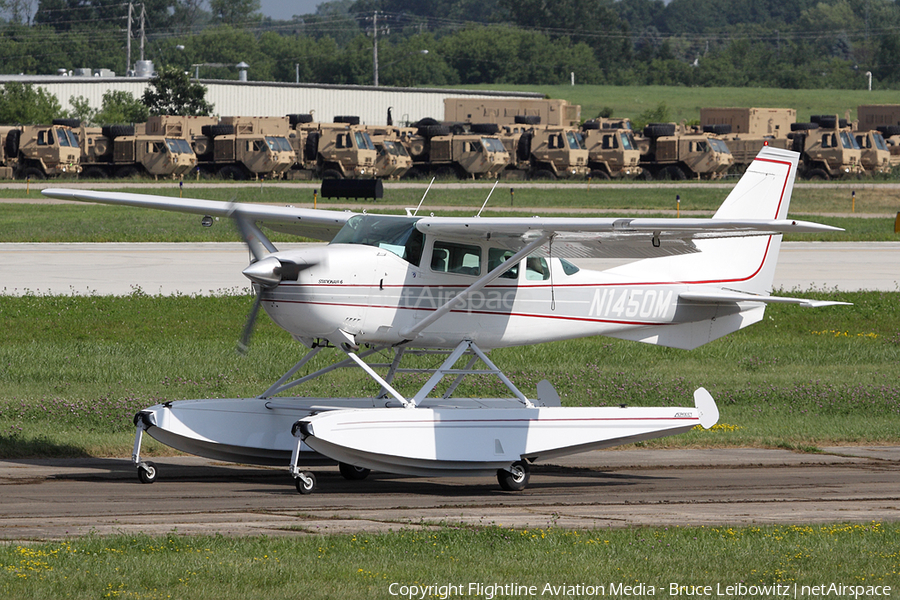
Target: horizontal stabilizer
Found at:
x=725, y=296
x=706, y=406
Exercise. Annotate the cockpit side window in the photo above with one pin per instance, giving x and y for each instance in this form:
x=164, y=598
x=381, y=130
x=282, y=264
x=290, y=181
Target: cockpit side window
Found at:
x=497, y=256
x=394, y=234
x=450, y=257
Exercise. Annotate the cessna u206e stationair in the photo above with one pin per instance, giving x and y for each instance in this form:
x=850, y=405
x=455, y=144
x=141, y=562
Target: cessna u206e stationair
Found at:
x=401, y=285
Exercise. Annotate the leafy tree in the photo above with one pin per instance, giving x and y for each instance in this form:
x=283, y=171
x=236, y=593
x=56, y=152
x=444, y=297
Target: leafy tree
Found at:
x=172, y=93
x=121, y=107
x=25, y=105
x=234, y=12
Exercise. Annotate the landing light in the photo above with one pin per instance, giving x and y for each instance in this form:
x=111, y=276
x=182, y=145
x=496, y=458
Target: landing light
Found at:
x=206, y=221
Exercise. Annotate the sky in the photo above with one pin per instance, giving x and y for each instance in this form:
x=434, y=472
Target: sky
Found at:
x=285, y=9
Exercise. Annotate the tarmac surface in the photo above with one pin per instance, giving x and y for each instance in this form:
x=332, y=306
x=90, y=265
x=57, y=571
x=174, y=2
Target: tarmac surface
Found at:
x=54, y=499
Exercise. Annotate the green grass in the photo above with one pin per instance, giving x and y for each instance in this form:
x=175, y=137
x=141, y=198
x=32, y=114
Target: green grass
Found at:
x=367, y=566
x=20, y=222
x=74, y=370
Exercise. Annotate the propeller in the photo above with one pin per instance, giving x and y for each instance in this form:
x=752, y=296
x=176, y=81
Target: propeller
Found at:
x=266, y=270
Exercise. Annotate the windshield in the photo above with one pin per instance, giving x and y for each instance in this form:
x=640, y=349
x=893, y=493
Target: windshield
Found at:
x=848, y=142
x=394, y=234
x=178, y=146
x=718, y=146
x=572, y=139
x=363, y=141
x=394, y=148
x=63, y=138
x=879, y=141
x=493, y=144
x=627, y=141
x=278, y=144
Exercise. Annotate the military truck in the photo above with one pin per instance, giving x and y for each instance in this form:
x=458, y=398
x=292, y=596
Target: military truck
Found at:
x=540, y=151
x=159, y=148
x=392, y=161
x=746, y=130
x=241, y=147
x=503, y=111
x=676, y=152
x=436, y=149
x=875, y=156
x=612, y=150
x=884, y=118
x=827, y=148
x=40, y=151
x=338, y=150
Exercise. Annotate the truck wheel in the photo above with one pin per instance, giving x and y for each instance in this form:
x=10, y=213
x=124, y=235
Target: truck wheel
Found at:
x=818, y=175
x=674, y=173
x=217, y=130
x=126, y=172
x=73, y=123
x=598, y=175
x=655, y=130
x=114, y=131
x=544, y=174
x=93, y=173
x=12, y=143
x=332, y=174
x=232, y=173
x=31, y=173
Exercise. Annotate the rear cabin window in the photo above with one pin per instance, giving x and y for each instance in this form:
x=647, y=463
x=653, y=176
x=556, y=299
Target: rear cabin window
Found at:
x=496, y=257
x=450, y=257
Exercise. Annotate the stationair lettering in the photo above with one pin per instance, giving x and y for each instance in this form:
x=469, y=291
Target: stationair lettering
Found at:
x=631, y=303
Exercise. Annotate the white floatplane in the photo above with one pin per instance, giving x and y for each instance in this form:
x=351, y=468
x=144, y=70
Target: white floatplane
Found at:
x=403, y=285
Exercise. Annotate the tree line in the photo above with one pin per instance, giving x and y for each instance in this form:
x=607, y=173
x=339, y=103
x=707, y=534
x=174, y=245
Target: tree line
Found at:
x=759, y=43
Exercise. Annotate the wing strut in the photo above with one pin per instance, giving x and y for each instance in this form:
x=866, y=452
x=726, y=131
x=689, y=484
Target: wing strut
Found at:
x=411, y=333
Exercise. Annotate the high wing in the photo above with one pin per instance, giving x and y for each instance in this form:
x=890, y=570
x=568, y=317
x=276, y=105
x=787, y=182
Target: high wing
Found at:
x=610, y=237
x=311, y=223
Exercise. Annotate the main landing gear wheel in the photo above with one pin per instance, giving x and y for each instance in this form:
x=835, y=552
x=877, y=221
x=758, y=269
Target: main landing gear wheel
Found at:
x=515, y=479
x=147, y=472
x=305, y=483
x=353, y=473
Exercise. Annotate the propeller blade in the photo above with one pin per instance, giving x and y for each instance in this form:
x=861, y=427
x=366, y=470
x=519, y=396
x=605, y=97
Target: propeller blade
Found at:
x=260, y=246
x=244, y=343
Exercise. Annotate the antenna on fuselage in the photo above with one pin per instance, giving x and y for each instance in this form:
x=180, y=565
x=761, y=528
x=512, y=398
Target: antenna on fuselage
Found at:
x=488, y=197
x=423, y=196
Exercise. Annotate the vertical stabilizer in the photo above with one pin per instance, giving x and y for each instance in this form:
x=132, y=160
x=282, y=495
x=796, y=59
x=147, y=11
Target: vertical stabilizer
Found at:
x=744, y=264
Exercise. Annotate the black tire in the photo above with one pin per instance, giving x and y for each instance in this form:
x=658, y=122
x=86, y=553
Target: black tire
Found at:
x=217, y=130
x=414, y=174
x=332, y=174
x=598, y=175
x=11, y=146
x=673, y=173
x=527, y=119
x=31, y=173
x=523, y=148
x=720, y=129
x=114, y=131
x=655, y=130
x=430, y=131
x=516, y=479
x=94, y=173
x=544, y=174
x=147, y=472
x=127, y=172
x=646, y=175
x=232, y=173
x=485, y=128
x=300, y=118
x=588, y=125
x=804, y=126
x=73, y=123
x=426, y=122
x=352, y=473
x=349, y=120
x=311, y=146
x=818, y=175
x=886, y=130
x=825, y=121
x=306, y=487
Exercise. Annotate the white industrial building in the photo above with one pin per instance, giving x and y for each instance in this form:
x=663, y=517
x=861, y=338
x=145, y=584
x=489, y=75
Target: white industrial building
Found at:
x=258, y=98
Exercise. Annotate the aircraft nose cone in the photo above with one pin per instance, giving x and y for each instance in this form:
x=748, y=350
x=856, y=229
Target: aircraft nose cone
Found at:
x=265, y=272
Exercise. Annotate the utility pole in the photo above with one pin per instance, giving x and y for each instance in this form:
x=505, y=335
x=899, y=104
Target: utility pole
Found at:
x=128, y=41
x=143, y=34
x=375, y=49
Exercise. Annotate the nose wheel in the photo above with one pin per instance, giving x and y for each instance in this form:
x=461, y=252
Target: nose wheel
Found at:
x=147, y=472
x=515, y=478
x=305, y=482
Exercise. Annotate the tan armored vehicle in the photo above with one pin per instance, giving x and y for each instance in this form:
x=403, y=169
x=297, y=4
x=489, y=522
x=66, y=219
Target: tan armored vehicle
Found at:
x=392, y=160
x=670, y=151
x=557, y=112
x=338, y=150
x=747, y=130
x=436, y=150
x=242, y=147
x=884, y=118
x=612, y=150
x=827, y=147
x=875, y=155
x=40, y=151
x=159, y=148
x=540, y=151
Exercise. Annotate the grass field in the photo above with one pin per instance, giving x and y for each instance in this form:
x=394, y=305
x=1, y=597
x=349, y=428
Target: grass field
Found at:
x=734, y=562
